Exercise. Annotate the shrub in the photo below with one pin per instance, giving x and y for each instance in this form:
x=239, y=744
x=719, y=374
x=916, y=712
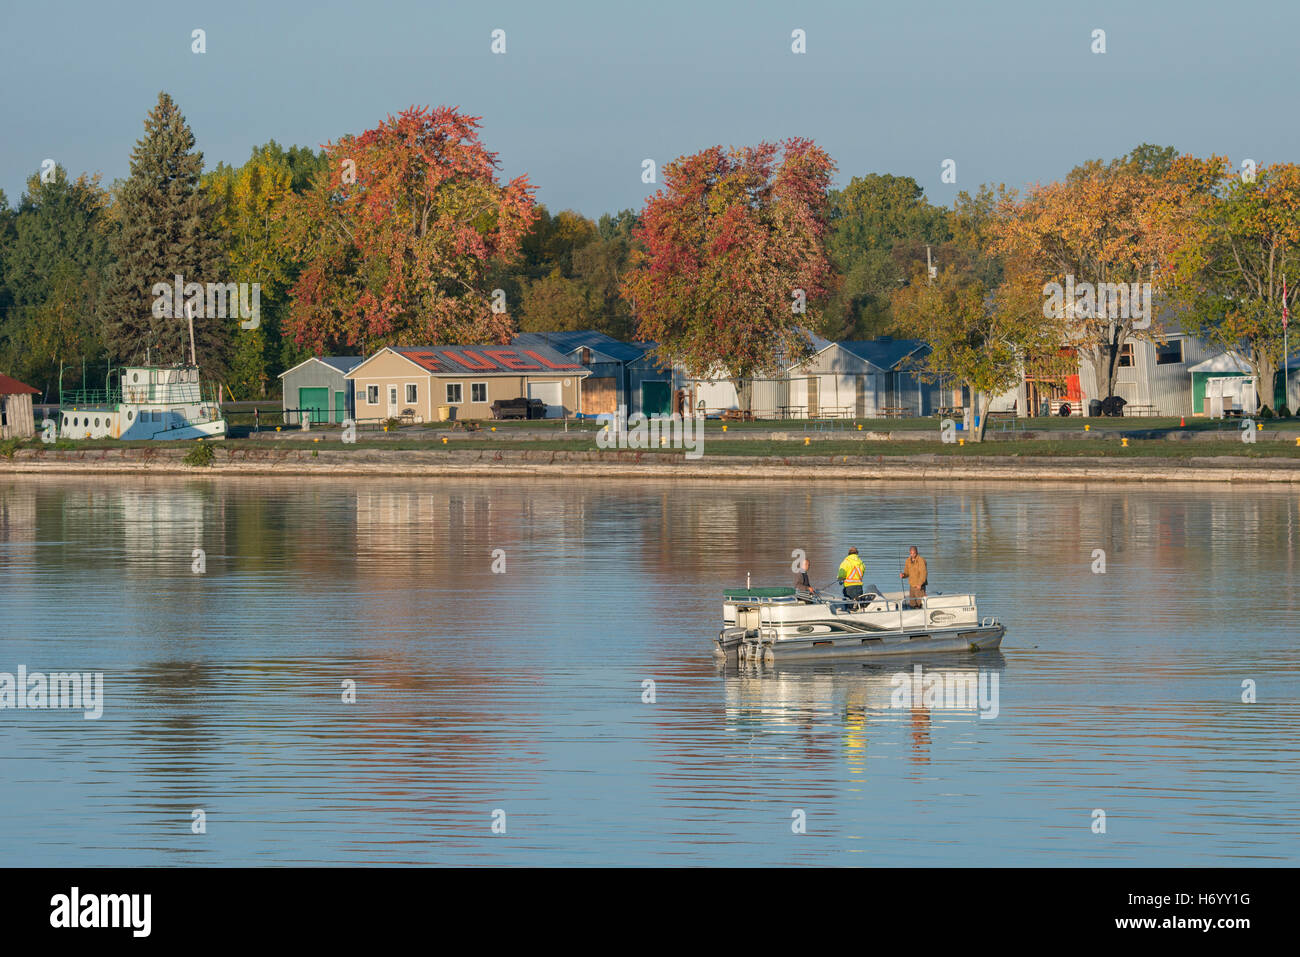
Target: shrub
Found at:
x=201, y=455
x=9, y=446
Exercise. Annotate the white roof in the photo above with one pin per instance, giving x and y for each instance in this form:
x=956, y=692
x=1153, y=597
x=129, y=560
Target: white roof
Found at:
x=1223, y=362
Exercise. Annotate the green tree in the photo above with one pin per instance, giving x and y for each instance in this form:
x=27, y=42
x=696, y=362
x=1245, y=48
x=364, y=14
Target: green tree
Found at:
x=557, y=304
x=168, y=228
x=1228, y=279
x=54, y=270
x=880, y=226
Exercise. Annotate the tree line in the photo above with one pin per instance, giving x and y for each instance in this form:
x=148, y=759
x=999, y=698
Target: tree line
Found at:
x=407, y=233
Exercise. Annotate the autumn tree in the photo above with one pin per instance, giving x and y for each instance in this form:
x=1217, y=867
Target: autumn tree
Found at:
x=976, y=335
x=167, y=226
x=1228, y=279
x=734, y=262
x=400, y=233
x=1120, y=223
x=253, y=201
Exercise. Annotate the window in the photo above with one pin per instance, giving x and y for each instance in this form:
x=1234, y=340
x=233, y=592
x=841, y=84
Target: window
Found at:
x=453, y=393
x=478, y=391
x=372, y=395
x=1169, y=353
x=410, y=392
x=1126, y=355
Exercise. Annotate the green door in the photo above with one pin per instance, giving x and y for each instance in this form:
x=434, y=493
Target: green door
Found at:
x=656, y=398
x=317, y=401
x=340, y=406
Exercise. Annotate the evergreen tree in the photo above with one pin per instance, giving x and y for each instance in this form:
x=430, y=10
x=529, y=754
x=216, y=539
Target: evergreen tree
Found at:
x=54, y=268
x=168, y=228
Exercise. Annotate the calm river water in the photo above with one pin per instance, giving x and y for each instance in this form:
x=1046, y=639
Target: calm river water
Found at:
x=521, y=701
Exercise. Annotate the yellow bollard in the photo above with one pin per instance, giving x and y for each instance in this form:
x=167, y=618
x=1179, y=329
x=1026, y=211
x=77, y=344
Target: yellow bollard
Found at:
x=494, y=428
x=859, y=426
x=806, y=440
x=444, y=440
x=277, y=428
x=724, y=428
x=961, y=441
x=1124, y=442
x=1259, y=426
x=1087, y=428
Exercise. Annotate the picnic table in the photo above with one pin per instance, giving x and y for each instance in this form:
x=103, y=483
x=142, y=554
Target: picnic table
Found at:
x=792, y=411
x=737, y=415
x=830, y=412
x=1132, y=409
x=894, y=411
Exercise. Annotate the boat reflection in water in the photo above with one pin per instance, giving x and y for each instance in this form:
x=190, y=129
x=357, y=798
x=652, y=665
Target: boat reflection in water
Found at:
x=806, y=699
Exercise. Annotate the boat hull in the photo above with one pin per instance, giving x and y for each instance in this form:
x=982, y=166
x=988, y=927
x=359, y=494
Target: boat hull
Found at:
x=967, y=638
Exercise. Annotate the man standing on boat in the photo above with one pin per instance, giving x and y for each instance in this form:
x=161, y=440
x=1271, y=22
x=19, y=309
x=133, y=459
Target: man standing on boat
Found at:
x=850, y=575
x=801, y=582
x=917, y=576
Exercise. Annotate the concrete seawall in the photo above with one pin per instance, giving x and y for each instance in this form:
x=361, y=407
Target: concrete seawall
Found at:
x=505, y=463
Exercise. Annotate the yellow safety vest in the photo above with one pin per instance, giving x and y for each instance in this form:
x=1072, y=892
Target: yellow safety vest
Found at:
x=852, y=570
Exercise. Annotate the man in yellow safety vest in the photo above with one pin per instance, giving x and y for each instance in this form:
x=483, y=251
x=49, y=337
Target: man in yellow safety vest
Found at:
x=850, y=575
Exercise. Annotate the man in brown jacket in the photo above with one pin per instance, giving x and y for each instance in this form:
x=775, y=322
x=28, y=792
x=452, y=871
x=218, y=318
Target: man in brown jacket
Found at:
x=914, y=571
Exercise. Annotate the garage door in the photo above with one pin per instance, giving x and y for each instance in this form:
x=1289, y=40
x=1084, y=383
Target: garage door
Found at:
x=318, y=401
x=548, y=392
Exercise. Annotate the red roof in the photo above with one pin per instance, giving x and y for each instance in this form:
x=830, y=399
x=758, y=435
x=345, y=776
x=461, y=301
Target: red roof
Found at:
x=10, y=386
x=443, y=360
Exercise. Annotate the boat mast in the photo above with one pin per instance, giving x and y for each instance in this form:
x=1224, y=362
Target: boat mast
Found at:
x=189, y=314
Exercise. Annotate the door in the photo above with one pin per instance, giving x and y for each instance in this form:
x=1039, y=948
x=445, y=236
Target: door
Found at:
x=814, y=396
x=393, y=408
x=550, y=393
x=600, y=396
x=315, y=401
x=340, y=406
x=656, y=398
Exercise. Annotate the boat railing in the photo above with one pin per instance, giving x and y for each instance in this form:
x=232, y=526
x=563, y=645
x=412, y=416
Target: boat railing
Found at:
x=897, y=601
x=80, y=397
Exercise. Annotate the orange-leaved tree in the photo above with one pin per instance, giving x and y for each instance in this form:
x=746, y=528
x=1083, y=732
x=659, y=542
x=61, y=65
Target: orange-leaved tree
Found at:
x=1104, y=227
x=734, y=266
x=399, y=233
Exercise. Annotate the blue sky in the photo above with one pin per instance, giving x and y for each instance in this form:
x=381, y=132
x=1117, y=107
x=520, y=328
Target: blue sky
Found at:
x=586, y=90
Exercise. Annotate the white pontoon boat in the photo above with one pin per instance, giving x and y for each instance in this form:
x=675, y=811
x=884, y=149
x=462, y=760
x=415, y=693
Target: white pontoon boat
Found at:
x=769, y=624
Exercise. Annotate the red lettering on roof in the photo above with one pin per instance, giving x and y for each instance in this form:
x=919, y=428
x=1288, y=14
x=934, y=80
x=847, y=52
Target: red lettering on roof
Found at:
x=471, y=360
x=547, y=362
x=511, y=360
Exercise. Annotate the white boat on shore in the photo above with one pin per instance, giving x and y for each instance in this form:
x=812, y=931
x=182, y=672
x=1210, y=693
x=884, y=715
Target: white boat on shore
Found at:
x=143, y=402
x=780, y=624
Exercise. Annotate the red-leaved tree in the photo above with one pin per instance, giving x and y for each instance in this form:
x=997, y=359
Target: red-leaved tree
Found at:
x=399, y=233
x=735, y=260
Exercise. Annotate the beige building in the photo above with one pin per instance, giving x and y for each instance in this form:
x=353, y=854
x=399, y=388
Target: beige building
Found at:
x=419, y=382
x=16, y=420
